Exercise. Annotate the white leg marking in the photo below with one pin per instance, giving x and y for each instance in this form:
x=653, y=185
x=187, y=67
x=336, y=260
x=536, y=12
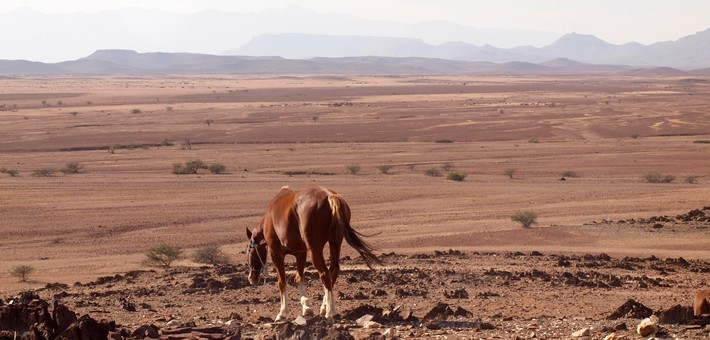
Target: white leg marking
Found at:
x=324, y=305
x=283, y=312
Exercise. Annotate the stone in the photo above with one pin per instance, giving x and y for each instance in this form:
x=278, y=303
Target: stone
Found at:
x=614, y=336
x=363, y=319
x=584, y=332
x=647, y=326
x=300, y=320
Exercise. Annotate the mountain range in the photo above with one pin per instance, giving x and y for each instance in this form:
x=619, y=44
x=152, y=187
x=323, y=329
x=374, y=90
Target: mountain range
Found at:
x=687, y=53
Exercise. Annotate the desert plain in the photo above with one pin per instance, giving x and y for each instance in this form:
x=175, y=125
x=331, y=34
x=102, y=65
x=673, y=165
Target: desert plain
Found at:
x=576, y=150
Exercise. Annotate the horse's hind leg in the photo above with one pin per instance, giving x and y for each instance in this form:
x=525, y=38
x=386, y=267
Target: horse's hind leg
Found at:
x=300, y=265
x=327, y=309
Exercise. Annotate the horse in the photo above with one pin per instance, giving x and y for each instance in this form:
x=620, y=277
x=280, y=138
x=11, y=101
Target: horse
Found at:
x=300, y=223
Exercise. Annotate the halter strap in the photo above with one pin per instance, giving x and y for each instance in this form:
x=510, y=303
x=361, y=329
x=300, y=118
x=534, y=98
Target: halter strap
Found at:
x=252, y=245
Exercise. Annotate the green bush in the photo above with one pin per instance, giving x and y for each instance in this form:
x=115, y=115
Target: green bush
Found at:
x=210, y=254
x=217, y=168
x=22, y=272
x=188, y=168
x=12, y=173
x=525, y=218
x=72, y=168
x=656, y=177
x=456, y=176
x=164, y=254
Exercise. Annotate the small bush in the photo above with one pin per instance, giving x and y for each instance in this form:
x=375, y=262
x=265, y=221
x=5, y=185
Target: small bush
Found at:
x=691, y=179
x=210, y=254
x=44, y=172
x=533, y=140
x=167, y=142
x=12, y=173
x=22, y=272
x=433, y=172
x=455, y=176
x=702, y=141
x=384, y=168
x=164, y=254
x=217, y=168
x=525, y=218
x=444, y=141
x=447, y=166
x=72, y=168
x=136, y=111
x=353, y=169
x=510, y=172
x=568, y=173
x=188, y=168
x=656, y=177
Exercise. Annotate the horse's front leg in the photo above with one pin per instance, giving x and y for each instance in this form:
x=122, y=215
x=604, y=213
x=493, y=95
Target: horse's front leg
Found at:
x=300, y=265
x=278, y=260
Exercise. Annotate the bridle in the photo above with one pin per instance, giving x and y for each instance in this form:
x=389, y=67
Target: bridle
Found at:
x=262, y=271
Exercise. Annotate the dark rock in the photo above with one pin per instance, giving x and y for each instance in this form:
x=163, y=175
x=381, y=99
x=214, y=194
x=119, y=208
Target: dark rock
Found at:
x=631, y=309
x=145, y=331
x=85, y=328
x=676, y=315
x=439, y=312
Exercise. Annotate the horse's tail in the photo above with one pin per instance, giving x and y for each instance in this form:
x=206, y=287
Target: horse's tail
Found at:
x=341, y=217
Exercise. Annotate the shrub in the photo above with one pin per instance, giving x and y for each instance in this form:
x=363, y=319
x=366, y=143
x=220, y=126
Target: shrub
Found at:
x=167, y=142
x=691, y=179
x=217, y=168
x=444, y=141
x=384, y=168
x=533, y=140
x=353, y=168
x=656, y=177
x=71, y=168
x=12, y=173
x=209, y=122
x=568, y=173
x=164, y=254
x=44, y=172
x=525, y=218
x=447, y=166
x=136, y=111
x=433, y=172
x=188, y=168
x=510, y=172
x=22, y=272
x=455, y=176
x=210, y=254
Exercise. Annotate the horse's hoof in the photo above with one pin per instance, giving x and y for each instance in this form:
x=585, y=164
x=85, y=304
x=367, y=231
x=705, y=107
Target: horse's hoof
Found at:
x=280, y=318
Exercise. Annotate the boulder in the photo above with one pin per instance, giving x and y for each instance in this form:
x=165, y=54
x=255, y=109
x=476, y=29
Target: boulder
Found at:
x=676, y=315
x=647, y=326
x=584, y=332
x=632, y=310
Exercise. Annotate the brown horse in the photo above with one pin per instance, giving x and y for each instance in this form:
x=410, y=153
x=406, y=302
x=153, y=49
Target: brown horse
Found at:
x=300, y=223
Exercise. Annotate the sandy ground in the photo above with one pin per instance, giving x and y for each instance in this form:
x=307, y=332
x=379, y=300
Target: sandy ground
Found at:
x=300, y=131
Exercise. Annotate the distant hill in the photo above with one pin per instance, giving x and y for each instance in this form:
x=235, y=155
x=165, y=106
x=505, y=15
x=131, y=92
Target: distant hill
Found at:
x=691, y=52
x=112, y=62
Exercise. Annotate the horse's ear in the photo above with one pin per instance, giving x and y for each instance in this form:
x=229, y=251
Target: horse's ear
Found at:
x=248, y=232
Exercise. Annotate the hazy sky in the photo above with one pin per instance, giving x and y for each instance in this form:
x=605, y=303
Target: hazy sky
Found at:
x=616, y=21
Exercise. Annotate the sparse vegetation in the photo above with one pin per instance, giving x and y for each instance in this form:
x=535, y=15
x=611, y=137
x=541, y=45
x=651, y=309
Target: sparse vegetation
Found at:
x=315, y=119
x=384, y=168
x=74, y=113
x=691, y=179
x=169, y=108
x=569, y=173
x=433, y=172
x=136, y=111
x=353, y=169
x=447, y=166
x=444, y=141
x=634, y=136
x=657, y=177
x=702, y=141
x=188, y=168
x=209, y=122
x=167, y=142
x=533, y=140
x=22, y=272
x=112, y=149
x=11, y=172
x=164, y=255
x=210, y=254
x=217, y=168
x=72, y=168
x=186, y=144
x=526, y=218
x=456, y=176
x=510, y=172
x=44, y=172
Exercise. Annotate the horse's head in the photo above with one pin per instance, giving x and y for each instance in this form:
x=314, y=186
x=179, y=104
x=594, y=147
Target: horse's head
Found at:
x=256, y=255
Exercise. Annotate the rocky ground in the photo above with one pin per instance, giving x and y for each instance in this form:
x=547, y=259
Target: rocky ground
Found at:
x=445, y=294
